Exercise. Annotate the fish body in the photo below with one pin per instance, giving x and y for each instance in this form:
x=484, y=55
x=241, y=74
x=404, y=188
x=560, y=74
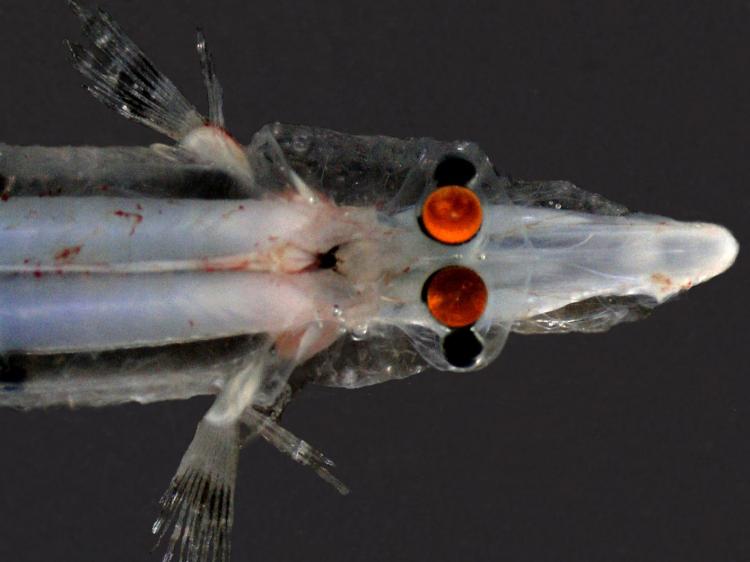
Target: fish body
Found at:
x=307, y=256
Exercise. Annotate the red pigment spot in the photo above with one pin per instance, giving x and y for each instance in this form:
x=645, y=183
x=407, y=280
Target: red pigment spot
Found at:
x=230, y=213
x=27, y=261
x=104, y=187
x=662, y=280
x=135, y=217
x=67, y=254
x=59, y=271
x=239, y=266
x=223, y=131
x=5, y=196
x=37, y=274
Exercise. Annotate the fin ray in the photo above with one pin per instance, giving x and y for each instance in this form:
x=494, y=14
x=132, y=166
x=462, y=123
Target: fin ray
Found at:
x=198, y=506
x=297, y=449
x=124, y=79
x=213, y=86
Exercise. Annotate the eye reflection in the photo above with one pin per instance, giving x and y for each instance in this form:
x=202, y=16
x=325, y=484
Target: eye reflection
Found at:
x=452, y=214
x=456, y=296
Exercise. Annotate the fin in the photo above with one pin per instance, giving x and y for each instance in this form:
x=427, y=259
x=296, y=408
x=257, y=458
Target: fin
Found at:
x=213, y=87
x=199, y=504
x=300, y=451
x=124, y=79
x=263, y=379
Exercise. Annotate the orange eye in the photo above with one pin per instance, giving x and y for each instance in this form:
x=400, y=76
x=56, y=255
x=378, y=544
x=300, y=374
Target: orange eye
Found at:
x=452, y=214
x=456, y=296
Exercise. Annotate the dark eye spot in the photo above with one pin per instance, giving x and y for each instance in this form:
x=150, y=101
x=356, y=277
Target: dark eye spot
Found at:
x=454, y=170
x=462, y=347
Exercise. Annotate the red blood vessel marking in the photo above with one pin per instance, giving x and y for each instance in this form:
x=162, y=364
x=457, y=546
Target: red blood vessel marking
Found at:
x=68, y=254
x=135, y=217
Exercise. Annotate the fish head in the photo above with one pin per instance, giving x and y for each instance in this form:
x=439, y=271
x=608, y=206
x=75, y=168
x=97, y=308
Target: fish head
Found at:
x=468, y=256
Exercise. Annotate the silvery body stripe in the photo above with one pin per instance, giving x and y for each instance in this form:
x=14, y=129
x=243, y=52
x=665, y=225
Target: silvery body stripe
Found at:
x=75, y=312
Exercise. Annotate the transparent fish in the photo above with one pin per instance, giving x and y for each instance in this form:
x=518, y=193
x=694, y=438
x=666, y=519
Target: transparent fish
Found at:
x=206, y=267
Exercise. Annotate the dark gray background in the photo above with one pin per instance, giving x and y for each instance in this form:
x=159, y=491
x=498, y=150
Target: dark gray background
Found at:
x=633, y=445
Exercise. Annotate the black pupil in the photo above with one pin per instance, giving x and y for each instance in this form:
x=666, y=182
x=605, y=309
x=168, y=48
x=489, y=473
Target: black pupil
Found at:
x=461, y=347
x=454, y=171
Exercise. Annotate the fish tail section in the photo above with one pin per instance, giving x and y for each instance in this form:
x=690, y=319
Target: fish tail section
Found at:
x=124, y=79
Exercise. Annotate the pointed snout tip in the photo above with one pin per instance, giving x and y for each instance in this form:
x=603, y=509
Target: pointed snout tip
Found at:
x=725, y=248
x=693, y=253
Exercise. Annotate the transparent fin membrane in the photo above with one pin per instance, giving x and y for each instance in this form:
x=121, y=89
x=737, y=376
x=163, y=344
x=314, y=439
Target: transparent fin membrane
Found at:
x=213, y=86
x=299, y=450
x=125, y=80
x=199, y=504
